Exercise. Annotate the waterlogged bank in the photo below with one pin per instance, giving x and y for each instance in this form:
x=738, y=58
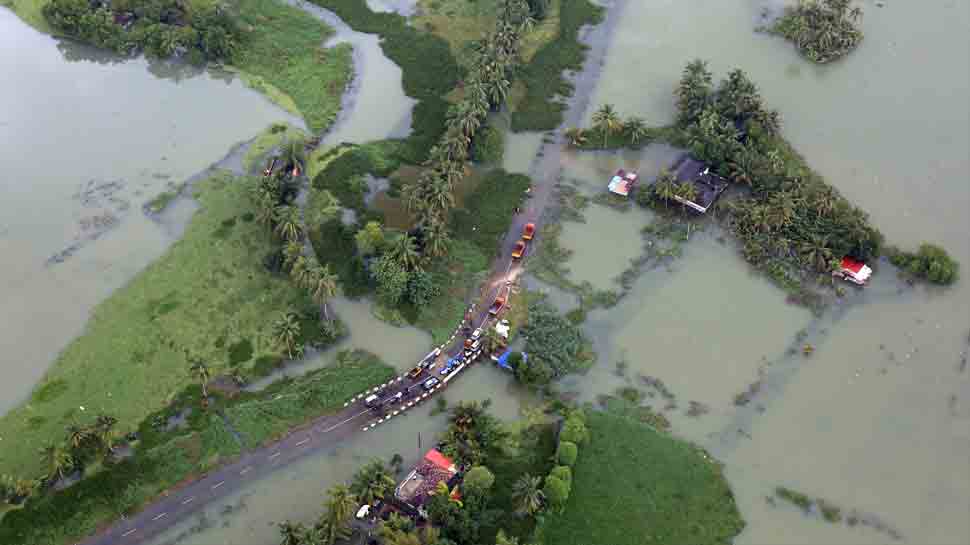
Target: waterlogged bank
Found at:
x=884, y=387
x=92, y=139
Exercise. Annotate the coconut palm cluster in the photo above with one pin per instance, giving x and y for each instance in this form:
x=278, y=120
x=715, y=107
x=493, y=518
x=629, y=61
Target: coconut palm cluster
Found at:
x=822, y=30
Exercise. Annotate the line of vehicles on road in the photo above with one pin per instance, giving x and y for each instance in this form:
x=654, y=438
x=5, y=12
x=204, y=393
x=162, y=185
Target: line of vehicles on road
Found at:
x=471, y=349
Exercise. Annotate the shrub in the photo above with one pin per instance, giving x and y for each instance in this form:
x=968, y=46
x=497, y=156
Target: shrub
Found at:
x=488, y=145
x=567, y=452
x=930, y=262
x=478, y=480
x=574, y=430
x=552, y=339
x=556, y=491
x=563, y=473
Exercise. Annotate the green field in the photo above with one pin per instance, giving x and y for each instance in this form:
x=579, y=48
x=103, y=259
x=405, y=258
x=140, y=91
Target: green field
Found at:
x=633, y=485
x=283, y=46
x=206, y=296
x=30, y=12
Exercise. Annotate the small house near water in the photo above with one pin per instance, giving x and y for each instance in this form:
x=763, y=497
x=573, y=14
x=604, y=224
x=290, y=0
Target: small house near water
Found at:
x=622, y=183
x=707, y=184
x=422, y=481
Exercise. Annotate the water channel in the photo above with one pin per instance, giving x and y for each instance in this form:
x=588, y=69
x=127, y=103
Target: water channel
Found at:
x=877, y=419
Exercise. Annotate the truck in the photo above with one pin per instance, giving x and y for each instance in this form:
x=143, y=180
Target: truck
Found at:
x=497, y=306
x=519, y=250
x=528, y=231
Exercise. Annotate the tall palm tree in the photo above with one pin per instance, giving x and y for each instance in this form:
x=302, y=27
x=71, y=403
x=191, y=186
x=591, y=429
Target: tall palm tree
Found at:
x=637, y=128
x=303, y=271
x=527, y=495
x=815, y=252
x=266, y=210
x=334, y=523
x=104, y=426
x=58, y=461
x=286, y=331
x=665, y=187
x=404, y=251
x=436, y=239
x=292, y=154
x=687, y=191
x=77, y=435
x=292, y=251
x=607, y=120
x=289, y=226
x=324, y=287
x=439, y=196
x=200, y=370
x=372, y=482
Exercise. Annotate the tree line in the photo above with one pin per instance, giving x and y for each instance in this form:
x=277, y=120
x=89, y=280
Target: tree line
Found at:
x=160, y=28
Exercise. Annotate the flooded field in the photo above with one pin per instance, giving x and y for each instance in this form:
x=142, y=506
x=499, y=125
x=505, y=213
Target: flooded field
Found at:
x=86, y=139
x=877, y=419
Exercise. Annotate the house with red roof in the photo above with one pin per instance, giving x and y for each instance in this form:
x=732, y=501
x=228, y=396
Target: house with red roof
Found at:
x=423, y=480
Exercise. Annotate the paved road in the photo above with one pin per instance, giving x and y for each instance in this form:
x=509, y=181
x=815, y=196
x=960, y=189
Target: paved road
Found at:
x=325, y=432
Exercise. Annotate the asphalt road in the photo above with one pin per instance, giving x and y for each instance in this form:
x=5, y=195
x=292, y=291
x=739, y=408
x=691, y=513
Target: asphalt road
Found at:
x=325, y=432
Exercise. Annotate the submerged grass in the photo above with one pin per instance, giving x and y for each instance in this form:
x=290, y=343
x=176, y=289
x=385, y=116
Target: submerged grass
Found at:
x=658, y=490
x=282, y=46
x=209, y=291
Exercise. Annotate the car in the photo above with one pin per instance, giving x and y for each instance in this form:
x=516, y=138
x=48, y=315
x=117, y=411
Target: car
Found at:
x=430, y=383
x=372, y=400
x=416, y=372
x=528, y=231
x=519, y=250
x=497, y=306
x=395, y=398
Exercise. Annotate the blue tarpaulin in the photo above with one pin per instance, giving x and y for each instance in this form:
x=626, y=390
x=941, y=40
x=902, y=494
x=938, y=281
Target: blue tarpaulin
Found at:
x=503, y=360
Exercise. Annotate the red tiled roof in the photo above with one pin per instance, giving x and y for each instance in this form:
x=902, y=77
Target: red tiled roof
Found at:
x=440, y=460
x=850, y=264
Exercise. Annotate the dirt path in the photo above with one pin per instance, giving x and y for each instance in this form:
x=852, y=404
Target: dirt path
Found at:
x=326, y=432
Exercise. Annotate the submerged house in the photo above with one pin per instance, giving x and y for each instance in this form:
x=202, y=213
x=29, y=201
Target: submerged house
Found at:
x=423, y=480
x=707, y=184
x=622, y=183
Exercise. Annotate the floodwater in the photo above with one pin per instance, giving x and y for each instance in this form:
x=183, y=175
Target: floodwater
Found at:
x=86, y=139
x=877, y=418
x=375, y=107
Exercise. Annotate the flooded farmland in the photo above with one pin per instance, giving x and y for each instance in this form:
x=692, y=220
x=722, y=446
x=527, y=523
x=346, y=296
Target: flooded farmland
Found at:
x=876, y=419
x=86, y=139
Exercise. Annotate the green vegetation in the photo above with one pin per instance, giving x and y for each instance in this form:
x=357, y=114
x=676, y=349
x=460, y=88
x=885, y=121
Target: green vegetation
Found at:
x=209, y=292
x=163, y=199
x=166, y=454
x=677, y=493
x=534, y=102
x=822, y=30
x=31, y=11
x=428, y=68
x=930, y=263
x=488, y=210
x=201, y=30
x=830, y=512
x=794, y=497
x=556, y=346
x=283, y=46
x=266, y=141
x=488, y=146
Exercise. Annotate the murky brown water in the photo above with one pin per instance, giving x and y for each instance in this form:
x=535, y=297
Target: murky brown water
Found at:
x=878, y=418
x=85, y=141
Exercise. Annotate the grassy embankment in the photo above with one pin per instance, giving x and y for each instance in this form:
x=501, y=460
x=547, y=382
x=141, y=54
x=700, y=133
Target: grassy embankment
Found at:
x=208, y=298
x=167, y=455
x=635, y=485
x=30, y=12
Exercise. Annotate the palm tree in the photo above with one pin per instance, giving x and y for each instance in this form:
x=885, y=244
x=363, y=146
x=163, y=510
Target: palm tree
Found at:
x=103, y=426
x=292, y=154
x=436, y=239
x=527, y=495
x=665, y=187
x=266, y=210
x=607, y=120
x=324, y=287
x=58, y=461
x=438, y=195
x=303, y=270
x=77, y=435
x=637, y=129
x=286, y=331
x=333, y=525
x=289, y=226
x=291, y=252
x=576, y=136
x=200, y=370
x=815, y=252
x=292, y=534
x=404, y=251
x=686, y=191
x=372, y=482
